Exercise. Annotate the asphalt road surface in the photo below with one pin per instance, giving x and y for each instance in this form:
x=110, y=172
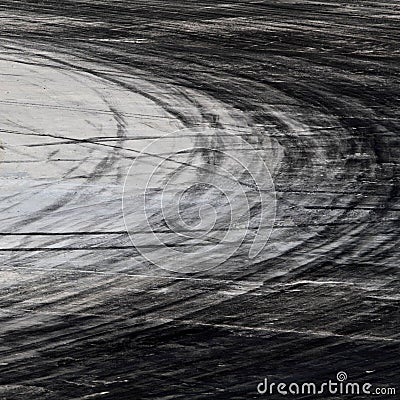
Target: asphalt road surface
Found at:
x=101, y=301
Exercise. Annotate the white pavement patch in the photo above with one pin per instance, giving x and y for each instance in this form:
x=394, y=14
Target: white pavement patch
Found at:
x=71, y=129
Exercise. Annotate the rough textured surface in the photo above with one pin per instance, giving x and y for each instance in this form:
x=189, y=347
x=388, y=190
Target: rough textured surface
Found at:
x=85, y=84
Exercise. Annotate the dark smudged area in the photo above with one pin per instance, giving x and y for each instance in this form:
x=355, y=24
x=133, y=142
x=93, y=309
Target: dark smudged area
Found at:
x=321, y=79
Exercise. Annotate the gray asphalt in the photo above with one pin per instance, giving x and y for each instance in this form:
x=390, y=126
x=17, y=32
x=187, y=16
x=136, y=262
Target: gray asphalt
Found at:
x=86, y=86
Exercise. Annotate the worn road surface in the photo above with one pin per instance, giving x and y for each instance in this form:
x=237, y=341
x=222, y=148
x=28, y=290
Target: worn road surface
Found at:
x=86, y=86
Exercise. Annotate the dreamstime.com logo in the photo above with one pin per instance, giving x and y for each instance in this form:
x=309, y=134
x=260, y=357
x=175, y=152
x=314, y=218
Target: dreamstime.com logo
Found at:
x=339, y=387
x=194, y=198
